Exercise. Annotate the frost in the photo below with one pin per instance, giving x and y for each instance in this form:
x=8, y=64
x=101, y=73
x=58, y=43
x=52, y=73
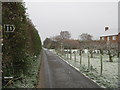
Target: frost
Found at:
x=109, y=76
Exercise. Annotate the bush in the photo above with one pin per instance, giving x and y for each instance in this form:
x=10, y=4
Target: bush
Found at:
x=22, y=44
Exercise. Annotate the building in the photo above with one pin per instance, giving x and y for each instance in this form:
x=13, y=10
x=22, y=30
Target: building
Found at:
x=115, y=38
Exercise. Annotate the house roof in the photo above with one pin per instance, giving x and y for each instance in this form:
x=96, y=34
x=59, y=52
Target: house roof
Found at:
x=110, y=32
x=109, y=35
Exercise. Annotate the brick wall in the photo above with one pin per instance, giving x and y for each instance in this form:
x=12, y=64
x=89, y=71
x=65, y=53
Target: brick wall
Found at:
x=112, y=38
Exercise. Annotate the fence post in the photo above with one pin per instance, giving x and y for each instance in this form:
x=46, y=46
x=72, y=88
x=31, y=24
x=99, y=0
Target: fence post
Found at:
x=80, y=59
x=91, y=67
x=88, y=61
x=70, y=54
x=75, y=56
x=101, y=64
x=67, y=53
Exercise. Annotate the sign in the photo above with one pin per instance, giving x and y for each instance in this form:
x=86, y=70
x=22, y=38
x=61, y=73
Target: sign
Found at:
x=9, y=28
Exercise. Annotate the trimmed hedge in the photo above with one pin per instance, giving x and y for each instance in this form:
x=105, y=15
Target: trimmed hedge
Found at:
x=21, y=45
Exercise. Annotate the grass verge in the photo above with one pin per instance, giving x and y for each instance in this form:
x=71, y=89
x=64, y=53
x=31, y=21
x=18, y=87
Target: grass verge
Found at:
x=31, y=79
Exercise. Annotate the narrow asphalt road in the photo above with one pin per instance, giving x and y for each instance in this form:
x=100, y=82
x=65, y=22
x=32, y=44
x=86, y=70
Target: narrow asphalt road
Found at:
x=55, y=73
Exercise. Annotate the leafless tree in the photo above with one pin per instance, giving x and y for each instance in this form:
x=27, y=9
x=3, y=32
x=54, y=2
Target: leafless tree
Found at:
x=85, y=37
x=65, y=35
x=73, y=44
x=57, y=38
x=110, y=49
x=62, y=36
x=47, y=43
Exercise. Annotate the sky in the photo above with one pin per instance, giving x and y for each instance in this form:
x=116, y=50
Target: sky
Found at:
x=50, y=18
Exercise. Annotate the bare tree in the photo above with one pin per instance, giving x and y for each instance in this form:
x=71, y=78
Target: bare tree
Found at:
x=57, y=38
x=85, y=37
x=112, y=50
x=47, y=43
x=65, y=35
x=73, y=44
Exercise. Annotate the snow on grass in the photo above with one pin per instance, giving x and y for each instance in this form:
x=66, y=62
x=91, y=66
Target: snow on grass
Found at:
x=31, y=79
x=109, y=76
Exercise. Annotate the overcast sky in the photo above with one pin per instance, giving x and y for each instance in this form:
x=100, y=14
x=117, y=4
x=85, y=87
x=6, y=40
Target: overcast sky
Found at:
x=76, y=17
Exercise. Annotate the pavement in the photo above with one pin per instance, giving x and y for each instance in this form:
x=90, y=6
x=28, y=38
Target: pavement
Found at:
x=55, y=73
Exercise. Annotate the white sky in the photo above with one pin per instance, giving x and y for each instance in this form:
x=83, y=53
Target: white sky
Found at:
x=76, y=17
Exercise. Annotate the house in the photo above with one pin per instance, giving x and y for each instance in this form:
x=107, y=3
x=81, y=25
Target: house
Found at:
x=112, y=38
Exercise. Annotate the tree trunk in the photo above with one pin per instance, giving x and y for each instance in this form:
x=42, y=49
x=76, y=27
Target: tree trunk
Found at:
x=118, y=54
x=91, y=55
x=110, y=57
x=101, y=51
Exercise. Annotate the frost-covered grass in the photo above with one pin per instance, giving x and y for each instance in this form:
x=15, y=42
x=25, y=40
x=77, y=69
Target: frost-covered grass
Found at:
x=30, y=80
x=109, y=76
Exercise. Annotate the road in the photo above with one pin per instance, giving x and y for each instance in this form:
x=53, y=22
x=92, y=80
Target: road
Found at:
x=55, y=73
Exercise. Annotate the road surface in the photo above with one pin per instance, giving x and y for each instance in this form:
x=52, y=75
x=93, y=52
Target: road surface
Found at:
x=55, y=73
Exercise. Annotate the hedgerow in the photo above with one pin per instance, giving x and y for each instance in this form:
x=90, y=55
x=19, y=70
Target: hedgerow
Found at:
x=21, y=45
